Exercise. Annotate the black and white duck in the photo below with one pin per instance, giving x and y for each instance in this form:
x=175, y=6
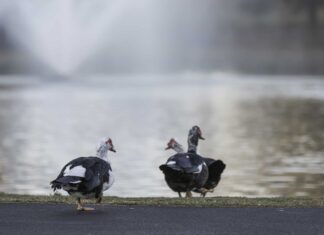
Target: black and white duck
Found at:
x=185, y=172
x=215, y=169
x=87, y=177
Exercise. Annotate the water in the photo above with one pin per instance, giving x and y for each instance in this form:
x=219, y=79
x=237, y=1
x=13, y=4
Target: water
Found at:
x=268, y=130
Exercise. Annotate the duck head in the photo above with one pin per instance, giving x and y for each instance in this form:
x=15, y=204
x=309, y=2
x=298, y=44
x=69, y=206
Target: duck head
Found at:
x=173, y=144
x=196, y=131
x=110, y=145
x=193, y=137
x=104, y=146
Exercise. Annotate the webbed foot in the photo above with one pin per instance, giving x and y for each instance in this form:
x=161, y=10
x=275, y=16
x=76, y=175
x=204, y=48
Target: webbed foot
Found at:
x=82, y=208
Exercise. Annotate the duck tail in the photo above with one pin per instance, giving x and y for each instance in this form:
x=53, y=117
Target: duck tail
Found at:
x=63, y=181
x=55, y=185
x=216, y=168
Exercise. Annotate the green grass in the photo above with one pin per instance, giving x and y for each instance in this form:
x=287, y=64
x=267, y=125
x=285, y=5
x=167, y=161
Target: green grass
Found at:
x=160, y=201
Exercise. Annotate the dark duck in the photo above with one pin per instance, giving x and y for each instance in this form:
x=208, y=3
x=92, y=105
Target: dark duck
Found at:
x=215, y=169
x=185, y=172
x=87, y=177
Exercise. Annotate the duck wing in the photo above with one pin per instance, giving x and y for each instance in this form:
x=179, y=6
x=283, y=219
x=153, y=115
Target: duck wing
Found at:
x=86, y=171
x=184, y=162
x=97, y=174
x=216, y=168
x=208, y=160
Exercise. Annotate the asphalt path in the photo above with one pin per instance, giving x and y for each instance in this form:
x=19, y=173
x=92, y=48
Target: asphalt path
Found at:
x=65, y=219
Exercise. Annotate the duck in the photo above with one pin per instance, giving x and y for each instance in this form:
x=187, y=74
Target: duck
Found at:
x=87, y=177
x=184, y=172
x=215, y=169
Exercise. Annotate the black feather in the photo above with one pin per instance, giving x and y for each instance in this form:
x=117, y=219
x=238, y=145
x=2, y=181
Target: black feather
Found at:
x=182, y=176
x=97, y=173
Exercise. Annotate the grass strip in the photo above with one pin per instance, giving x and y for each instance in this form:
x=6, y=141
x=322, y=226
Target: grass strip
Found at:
x=297, y=202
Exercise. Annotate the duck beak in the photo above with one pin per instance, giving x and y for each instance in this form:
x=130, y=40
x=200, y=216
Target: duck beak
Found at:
x=168, y=147
x=200, y=137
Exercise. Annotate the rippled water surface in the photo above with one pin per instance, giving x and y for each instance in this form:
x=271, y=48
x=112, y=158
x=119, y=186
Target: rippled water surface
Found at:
x=268, y=130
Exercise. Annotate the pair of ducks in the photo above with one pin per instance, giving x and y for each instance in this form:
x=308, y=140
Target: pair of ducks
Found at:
x=89, y=177
x=188, y=171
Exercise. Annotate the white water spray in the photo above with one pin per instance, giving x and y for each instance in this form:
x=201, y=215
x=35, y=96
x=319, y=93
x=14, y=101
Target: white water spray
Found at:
x=62, y=33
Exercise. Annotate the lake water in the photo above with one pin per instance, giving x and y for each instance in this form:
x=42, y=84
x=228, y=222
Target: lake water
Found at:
x=268, y=130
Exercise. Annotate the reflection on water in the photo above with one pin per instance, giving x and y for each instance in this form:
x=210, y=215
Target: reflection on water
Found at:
x=269, y=132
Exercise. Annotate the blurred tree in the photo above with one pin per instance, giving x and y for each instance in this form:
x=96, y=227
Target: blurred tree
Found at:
x=311, y=7
x=256, y=6
x=3, y=39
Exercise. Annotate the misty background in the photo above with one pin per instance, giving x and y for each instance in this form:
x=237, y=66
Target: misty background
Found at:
x=248, y=36
x=248, y=72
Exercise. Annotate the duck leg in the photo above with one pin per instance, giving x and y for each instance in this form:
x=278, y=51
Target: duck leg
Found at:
x=99, y=199
x=82, y=208
x=180, y=195
x=188, y=194
x=204, y=191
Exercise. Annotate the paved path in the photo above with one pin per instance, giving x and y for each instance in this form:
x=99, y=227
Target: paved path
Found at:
x=64, y=219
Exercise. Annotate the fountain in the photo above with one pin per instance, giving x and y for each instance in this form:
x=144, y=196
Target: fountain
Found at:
x=72, y=37
x=61, y=33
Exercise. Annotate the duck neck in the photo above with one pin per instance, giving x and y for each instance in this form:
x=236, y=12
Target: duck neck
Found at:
x=102, y=153
x=192, y=149
x=178, y=148
x=192, y=143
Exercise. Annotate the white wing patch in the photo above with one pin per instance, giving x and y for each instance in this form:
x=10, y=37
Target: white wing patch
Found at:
x=199, y=169
x=171, y=162
x=75, y=182
x=78, y=171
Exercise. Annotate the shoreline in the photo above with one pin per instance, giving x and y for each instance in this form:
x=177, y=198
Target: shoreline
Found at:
x=221, y=202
